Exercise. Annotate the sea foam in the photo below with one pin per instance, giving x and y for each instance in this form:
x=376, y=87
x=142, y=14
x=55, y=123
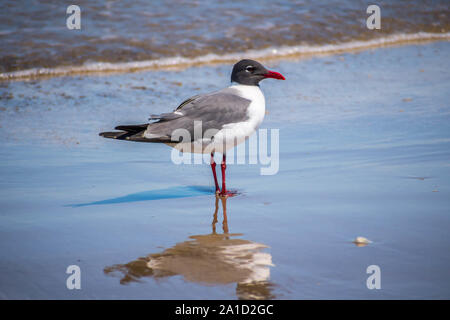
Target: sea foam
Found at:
x=267, y=53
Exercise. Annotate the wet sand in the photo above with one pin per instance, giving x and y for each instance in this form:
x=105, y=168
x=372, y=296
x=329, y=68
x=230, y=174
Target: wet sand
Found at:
x=364, y=151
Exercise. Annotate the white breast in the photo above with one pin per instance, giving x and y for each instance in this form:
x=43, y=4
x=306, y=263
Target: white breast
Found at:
x=257, y=107
x=235, y=133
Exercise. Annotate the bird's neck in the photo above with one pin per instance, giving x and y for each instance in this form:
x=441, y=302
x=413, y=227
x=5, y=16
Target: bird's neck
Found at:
x=247, y=91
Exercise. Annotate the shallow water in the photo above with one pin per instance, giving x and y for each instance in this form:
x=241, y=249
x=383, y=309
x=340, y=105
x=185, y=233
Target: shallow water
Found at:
x=364, y=151
x=34, y=34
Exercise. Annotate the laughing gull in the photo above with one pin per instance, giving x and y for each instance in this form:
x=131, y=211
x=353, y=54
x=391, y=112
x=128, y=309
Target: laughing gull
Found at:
x=208, y=123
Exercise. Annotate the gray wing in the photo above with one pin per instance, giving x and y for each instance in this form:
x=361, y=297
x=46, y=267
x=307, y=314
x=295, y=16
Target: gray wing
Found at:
x=214, y=110
x=173, y=115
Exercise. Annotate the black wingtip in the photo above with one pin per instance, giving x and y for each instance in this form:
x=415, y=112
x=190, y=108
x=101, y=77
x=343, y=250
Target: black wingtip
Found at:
x=132, y=128
x=113, y=135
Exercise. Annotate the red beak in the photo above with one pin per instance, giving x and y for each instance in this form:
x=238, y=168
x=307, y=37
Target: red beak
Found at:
x=274, y=75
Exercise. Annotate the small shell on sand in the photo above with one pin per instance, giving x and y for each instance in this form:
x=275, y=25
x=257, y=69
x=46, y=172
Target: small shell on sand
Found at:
x=361, y=241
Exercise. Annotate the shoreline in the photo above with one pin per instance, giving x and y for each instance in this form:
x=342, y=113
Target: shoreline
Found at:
x=364, y=149
x=268, y=54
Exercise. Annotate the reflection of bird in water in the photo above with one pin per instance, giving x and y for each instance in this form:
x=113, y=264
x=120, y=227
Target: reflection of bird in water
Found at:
x=211, y=259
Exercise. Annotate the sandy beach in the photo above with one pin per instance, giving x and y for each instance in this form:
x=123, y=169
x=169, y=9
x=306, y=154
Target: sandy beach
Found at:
x=364, y=151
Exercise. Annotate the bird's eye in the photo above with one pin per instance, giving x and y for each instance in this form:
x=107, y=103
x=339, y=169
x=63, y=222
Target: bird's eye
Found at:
x=250, y=68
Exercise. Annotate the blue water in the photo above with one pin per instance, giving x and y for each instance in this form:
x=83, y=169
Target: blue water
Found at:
x=364, y=151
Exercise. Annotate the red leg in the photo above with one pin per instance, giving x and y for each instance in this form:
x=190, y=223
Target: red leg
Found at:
x=224, y=167
x=213, y=167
